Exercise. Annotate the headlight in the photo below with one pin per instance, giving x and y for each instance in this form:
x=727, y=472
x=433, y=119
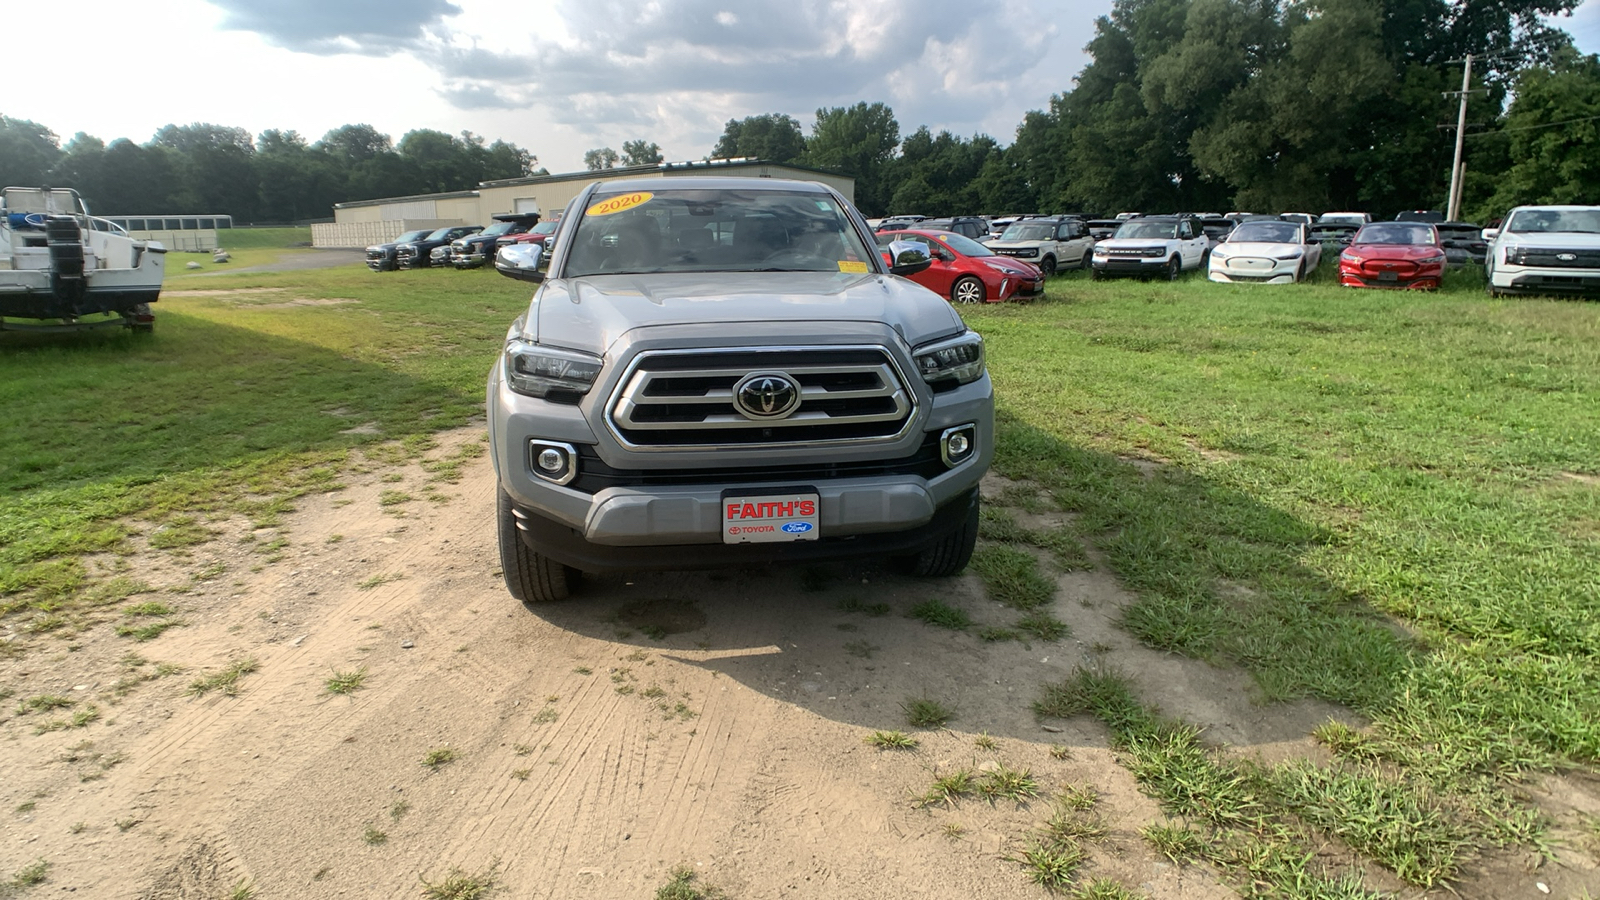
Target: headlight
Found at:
x=1219, y=252
x=1101, y=252
x=1429, y=260
x=1352, y=260
x=1293, y=254
x=537, y=371
x=1029, y=252
x=959, y=360
x=1156, y=252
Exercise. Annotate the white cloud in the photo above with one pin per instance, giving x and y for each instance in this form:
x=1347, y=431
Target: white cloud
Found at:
x=555, y=76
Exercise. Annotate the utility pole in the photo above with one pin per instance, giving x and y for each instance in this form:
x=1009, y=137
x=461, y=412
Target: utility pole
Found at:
x=1453, y=205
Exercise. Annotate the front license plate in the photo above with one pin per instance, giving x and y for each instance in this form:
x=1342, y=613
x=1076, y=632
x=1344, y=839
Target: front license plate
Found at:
x=1388, y=276
x=770, y=517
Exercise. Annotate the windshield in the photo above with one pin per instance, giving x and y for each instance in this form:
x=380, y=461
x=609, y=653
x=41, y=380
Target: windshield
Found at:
x=497, y=228
x=718, y=230
x=1583, y=221
x=1021, y=232
x=965, y=246
x=1159, y=230
x=544, y=227
x=1266, y=233
x=1395, y=233
x=1460, y=233
x=441, y=234
x=412, y=236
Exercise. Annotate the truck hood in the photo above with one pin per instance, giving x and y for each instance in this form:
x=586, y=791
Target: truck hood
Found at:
x=1580, y=240
x=592, y=312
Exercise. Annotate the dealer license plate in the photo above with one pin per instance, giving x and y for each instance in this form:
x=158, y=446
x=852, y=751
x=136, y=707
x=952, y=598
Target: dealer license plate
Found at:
x=770, y=517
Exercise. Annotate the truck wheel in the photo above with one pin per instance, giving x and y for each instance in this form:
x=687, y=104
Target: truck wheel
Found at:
x=950, y=555
x=1174, y=268
x=530, y=577
x=1048, y=266
x=967, y=290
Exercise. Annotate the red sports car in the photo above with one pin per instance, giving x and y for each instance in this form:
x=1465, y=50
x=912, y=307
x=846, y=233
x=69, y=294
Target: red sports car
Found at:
x=967, y=271
x=1393, y=255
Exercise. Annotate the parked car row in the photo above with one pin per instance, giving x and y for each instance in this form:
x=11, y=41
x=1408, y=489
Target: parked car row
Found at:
x=460, y=246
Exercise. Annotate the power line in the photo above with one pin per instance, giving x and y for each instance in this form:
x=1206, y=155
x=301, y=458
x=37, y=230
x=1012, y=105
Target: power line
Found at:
x=1534, y=127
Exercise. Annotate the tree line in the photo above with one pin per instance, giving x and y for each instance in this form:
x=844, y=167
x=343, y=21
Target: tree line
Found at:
x=1265, y=105
x=276, y=177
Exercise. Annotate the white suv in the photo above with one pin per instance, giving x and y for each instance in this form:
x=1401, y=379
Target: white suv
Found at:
x=1545, y=250
x=1153, y=245
x=1050, y=243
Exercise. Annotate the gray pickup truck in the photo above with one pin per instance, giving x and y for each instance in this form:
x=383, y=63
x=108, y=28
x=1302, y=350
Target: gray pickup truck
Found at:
x=726, y=371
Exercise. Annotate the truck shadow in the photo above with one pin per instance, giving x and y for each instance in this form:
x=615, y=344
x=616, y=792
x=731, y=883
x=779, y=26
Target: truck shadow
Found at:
x=1190, y=588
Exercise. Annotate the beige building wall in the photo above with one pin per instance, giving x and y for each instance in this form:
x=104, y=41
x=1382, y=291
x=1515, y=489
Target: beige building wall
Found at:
x=359, y=235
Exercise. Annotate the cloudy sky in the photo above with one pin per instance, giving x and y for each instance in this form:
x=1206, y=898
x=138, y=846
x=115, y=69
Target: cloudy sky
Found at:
x=555, y=76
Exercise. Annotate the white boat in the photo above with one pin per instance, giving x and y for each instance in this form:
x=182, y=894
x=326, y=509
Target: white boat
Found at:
x=62, y=268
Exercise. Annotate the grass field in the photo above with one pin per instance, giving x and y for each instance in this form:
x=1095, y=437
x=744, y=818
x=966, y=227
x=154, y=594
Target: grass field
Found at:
x=1387, y=500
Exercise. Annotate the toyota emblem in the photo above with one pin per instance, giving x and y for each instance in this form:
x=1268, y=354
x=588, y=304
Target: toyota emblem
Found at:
x=766, y=395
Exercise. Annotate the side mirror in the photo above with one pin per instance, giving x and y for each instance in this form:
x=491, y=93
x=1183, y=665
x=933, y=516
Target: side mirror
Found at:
x=1489, y=234
x=908, y=258
x=524, y=262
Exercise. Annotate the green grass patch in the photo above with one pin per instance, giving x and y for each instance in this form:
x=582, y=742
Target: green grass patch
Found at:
x=347, y=682
x=459, y=884
x=1011, y=576
x=922, y=712
x=1381, y=500
x=247, y=403
x=892, y=740
x=684, y=884
x=226, y=681
x=935, y=611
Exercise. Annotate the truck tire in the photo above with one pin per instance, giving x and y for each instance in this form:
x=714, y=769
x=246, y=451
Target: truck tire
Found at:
x=1174, y=268
x=530, y=577
x=950, y=555
x=1047, y=266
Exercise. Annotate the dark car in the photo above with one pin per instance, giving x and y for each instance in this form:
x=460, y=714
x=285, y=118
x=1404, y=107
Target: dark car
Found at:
x=967, y=226
x=381, y=257
x=1432, y=216
x=1463, y=243
x=1100, y=229
x=1216, y=229
x=1337, y=234
x=418, y=254
x=476, y=249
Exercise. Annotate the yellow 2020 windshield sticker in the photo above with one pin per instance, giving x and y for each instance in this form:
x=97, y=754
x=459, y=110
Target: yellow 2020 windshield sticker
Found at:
x=853, y=266
x=619, y=203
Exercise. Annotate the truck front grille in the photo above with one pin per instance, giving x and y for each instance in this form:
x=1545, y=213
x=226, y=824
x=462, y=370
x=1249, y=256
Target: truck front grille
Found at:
x=683, y=399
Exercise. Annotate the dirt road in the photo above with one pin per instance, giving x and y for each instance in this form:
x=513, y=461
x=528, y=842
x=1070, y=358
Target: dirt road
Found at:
x=714, y=720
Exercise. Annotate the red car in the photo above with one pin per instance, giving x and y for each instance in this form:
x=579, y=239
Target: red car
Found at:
x=538, y=234
x=1393, y=255
x=967, y=271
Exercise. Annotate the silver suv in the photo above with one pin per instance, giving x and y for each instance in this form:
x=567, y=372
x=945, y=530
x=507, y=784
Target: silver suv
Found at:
x=725, y=371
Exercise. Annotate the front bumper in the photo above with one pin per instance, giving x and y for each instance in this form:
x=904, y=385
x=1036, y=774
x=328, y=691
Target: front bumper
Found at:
x=1129, y=265
x=662, y=508
x=384, y=263
x=1530, y=280
x=570, y=547
x=468, y=260
x=1253, y=270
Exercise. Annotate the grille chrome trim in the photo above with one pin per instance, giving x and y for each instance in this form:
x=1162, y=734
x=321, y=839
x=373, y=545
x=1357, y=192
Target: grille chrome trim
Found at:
x=679, y=393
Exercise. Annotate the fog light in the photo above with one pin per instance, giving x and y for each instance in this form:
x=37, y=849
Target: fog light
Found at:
x=957, y=444
x=553, y=462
